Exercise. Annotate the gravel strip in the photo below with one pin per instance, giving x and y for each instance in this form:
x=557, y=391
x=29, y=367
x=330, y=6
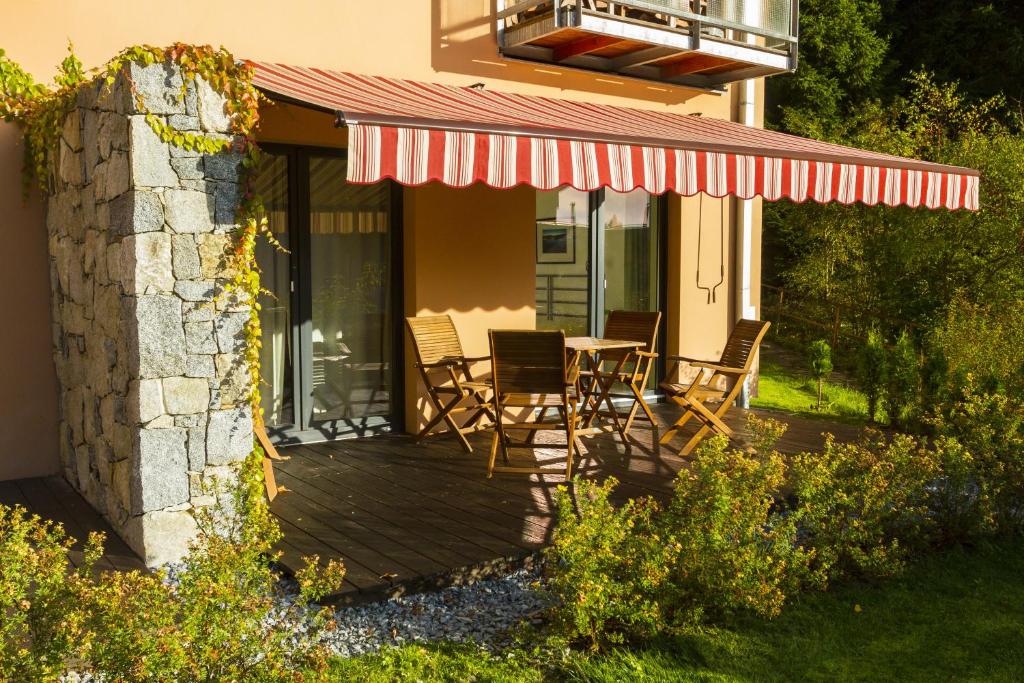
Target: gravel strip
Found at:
x=482, y=612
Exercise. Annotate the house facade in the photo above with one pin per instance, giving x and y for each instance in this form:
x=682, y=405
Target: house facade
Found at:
x=123, y=371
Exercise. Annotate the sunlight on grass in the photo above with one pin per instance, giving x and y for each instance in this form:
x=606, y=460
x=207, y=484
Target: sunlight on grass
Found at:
x=957, y=615
x=789, y=392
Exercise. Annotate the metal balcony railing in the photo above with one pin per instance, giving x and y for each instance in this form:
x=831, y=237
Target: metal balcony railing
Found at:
x=737, y=39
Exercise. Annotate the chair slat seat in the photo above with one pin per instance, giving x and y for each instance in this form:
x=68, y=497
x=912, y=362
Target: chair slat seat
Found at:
x=733, y=366
x=530, y=371
x=445, y=371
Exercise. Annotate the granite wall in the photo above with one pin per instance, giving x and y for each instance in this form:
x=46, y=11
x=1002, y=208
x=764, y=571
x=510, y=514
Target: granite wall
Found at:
x=147, y=346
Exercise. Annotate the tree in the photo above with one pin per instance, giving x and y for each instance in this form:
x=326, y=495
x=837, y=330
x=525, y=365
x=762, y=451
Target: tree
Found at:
x=821, y=364
x=872, y=371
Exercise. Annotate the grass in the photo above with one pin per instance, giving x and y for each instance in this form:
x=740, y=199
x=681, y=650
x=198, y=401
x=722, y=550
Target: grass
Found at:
x=786, y=390
x=956, y=616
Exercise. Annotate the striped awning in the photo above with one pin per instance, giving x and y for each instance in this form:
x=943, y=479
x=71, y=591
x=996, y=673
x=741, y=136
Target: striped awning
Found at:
x=414, y=132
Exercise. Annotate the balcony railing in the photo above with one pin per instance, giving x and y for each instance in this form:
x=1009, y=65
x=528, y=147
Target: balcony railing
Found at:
x=702, y=43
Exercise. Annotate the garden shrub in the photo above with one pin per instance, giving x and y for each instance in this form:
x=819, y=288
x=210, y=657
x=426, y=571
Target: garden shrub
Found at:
x=219, y=619
x=607, y=566
x=631, y=571
x=734, y=549
x=41, y=624
x=863, y=506
x=903, y=382
x=989, y=426
x=872, y=371
x=821, y=363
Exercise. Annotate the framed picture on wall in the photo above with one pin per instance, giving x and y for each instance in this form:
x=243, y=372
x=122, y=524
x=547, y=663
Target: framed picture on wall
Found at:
x=556, y=242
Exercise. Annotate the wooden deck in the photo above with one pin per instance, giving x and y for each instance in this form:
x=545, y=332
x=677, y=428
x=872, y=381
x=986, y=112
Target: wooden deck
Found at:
x=404, y=517
x=53, y=498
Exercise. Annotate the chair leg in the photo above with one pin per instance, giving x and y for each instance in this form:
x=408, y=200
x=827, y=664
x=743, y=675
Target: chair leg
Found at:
x=569, y=415
x=494, y=454
x=694, y=440
x=670, y=433
x=443, y=410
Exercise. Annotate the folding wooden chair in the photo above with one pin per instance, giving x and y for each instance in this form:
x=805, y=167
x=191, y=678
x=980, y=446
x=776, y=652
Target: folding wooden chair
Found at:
x=734, y=366
x=635, y=370
x=438, y=349
x=531, y=371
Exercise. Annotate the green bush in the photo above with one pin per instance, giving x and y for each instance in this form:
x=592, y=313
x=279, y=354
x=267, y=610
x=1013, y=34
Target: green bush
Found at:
x=219, y=621
x=872, y=371
x=820, y=354
x=863, y=506
x=733, y=550
x=989, y=426
x=902, y=393
x=41, y=624
x=606, y=566
x=629, y=572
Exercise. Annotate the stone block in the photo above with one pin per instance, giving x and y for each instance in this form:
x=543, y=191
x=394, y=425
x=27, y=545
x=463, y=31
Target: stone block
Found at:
x=212, y=253
x=70, y=164
x=224, y=166
x=135, y=212
x=200, y=366
x=195, y=290
x=150, y=158
x=71, y=134
x=212, y=116
x=186, y=395
x=185, y=257
x=197, y=448
x=199, y=338
x=189, y=168
x=161, y=466
x=229, y=435
x=230, y=329
x=233, y=375
x=148, y=256
x=227, y=196
x=116, y=175
x=189, y=211
x=145, y=400
x=198, y=311
x=160, y=347
x=90, y=142
x=160, y=87
x=161, y=537
x=112, y=134
x=184, y=122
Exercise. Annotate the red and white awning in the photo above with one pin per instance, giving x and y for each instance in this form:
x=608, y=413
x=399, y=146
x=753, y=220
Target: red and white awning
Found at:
x=414, y=133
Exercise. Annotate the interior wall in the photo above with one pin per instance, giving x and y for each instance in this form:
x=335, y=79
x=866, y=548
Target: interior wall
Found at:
x=469, y=253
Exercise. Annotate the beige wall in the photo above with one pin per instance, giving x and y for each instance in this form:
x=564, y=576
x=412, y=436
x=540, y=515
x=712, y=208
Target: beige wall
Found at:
x=449, y=41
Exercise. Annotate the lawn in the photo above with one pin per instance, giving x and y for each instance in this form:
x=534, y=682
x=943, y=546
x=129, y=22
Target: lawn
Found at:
x=784, y=389
x=956, y=616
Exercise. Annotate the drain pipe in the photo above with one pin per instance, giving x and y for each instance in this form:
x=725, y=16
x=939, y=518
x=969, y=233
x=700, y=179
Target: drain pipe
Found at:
x=744, y=240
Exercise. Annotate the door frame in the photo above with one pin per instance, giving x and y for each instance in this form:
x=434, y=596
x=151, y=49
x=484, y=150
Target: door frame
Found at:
x=303, y=429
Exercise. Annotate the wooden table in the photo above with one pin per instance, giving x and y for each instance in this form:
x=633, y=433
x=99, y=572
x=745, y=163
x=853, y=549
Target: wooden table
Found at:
x=589, y=347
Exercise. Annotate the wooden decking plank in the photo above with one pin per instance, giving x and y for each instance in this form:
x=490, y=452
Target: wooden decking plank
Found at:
x=476, y=490
x=463, y=498
x=326, y=524
x=46, y=505
x=407, y=524
x=353, y=542
x=449, y=530
x=11, y=495
x=469, y=517
x=304, y=544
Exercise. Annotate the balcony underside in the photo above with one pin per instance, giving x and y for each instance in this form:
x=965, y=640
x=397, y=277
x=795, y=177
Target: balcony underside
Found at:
x=661, y=49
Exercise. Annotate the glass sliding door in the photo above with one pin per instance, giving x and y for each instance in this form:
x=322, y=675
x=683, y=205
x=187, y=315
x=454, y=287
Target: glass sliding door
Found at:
x=596, y=252
x=350, y=274
x=563, y=261
x=277, y=355
x=329, y=331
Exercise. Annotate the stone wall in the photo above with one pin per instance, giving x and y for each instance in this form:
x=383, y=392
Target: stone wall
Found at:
x=147, y=347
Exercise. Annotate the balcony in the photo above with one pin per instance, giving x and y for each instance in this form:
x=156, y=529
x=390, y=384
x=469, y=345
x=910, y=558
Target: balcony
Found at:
x=696, y=43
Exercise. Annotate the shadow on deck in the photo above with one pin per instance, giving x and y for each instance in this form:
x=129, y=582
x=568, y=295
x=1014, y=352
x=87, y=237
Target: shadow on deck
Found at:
x=406, y=518
x=53, y=498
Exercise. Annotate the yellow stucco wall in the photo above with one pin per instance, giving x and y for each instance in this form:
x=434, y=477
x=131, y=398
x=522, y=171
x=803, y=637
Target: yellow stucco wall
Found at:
x=450, y=41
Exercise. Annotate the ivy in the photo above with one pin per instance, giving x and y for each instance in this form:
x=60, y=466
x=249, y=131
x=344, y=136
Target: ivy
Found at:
x=40, y=111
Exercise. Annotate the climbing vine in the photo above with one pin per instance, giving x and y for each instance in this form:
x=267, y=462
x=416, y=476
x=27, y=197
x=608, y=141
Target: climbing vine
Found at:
x=40, y=111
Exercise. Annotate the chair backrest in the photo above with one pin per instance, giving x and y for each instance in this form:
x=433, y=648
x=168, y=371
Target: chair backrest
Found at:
x=528, y=361
x=434, y=338
x=633, y=326
x=743, y=341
